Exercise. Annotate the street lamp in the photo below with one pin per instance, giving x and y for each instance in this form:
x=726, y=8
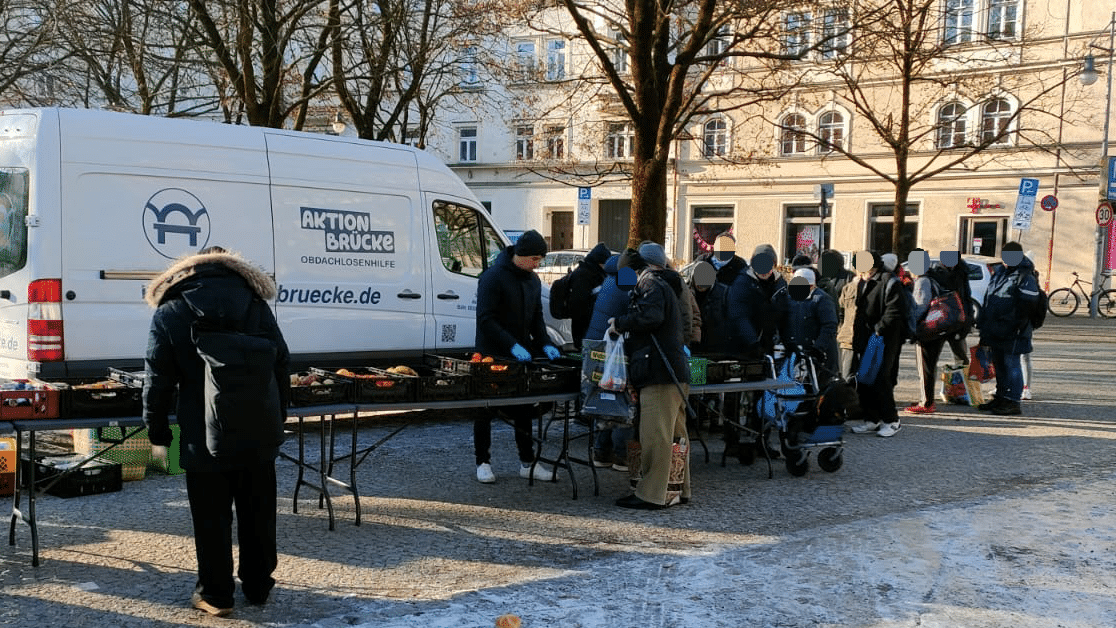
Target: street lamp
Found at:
x=1088, y=76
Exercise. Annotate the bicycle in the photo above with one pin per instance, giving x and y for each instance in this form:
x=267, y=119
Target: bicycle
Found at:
x=1064, y=301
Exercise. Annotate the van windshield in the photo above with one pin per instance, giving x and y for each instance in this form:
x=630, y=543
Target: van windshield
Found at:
x=13, y=220
x=467, y=244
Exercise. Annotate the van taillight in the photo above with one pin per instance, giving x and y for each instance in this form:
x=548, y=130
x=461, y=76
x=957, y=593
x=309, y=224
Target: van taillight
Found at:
x=44, y=320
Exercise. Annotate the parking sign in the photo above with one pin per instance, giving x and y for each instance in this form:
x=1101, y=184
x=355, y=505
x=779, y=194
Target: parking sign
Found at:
x=584, y=198
x=1025, y=204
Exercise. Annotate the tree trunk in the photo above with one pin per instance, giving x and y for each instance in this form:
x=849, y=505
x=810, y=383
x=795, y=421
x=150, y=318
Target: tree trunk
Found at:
x=648, y=215
x=899, y=213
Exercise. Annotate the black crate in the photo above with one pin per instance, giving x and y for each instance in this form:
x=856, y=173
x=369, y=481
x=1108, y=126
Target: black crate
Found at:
x=544, y=378
x=94, y=477
x=372, y=385
x=339, y=391
x=722, y=368
x=102, y=398
x=499, y=378
x=438, y=385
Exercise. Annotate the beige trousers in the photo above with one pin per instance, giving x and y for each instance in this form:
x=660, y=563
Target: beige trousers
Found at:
x=662, y=418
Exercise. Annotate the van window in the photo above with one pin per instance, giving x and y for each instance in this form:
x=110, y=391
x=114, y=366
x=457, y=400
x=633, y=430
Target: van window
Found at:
x=467, y=244
x=13, y=220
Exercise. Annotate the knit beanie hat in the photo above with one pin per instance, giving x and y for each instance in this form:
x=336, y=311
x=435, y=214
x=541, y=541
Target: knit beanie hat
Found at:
x=599, y=254
x=653, y=254
x=529, y=244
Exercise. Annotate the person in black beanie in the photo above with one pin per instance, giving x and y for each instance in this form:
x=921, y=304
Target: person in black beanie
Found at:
x=585, y=281
x=510, y=325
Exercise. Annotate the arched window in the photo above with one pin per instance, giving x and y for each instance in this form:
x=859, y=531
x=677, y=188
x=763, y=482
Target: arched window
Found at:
x=952, y=126
x=716, y=138
x=792, y=134
x=831, y=131
x=995, y=118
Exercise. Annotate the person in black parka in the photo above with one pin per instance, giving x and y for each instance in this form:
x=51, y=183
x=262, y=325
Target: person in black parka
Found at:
x=510, y=325
x=216, y=283
x=585, y=283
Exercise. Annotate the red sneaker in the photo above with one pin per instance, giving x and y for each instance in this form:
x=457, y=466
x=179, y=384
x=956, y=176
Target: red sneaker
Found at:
x=920, y=409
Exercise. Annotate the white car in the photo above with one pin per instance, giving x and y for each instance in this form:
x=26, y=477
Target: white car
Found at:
x=981, y=268
x=557, y=263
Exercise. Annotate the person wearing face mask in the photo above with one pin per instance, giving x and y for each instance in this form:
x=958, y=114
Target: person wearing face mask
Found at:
x=881, y=311
x=812, y=322
x=1005, y=326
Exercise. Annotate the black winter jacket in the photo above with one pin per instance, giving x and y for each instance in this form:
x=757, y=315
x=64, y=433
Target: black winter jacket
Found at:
x=585, y=282
x=212, y=285
x=758, y=310
x=509, y=309
x=655, y=311
x=1005, y=319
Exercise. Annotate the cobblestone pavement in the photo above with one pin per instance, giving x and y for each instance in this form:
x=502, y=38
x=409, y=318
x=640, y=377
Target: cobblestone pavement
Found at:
x=963, y=519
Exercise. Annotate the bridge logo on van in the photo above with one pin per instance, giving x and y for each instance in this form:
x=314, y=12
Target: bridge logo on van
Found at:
x=347, y=231
x=175, y=222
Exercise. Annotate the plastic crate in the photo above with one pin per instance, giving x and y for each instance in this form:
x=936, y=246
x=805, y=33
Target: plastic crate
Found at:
x=697, y=370
x=133, y=454
x=102, y=398
x=438, y=385
x=372, y=385
x=498, y=378
x=91, y=479
x=7, y=465
x=318, y=394
x=28, y=399
x=545, y=378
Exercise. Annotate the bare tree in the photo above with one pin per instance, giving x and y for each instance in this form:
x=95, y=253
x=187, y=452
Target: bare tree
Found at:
x=659, y=64
x=29, y=51
x=270, y=54
x=916, y=92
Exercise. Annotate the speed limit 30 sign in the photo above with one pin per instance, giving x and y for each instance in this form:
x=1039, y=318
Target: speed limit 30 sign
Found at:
x=1104, y=214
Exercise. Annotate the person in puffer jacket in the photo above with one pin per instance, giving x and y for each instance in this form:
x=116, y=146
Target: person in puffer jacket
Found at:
x=1005, y=326
x=611, y=447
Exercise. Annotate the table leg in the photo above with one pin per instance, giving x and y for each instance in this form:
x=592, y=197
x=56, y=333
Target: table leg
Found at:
x=325, y=458
x=300, y=463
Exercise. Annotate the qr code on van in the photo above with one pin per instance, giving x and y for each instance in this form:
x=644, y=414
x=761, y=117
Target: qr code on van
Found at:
x=449, y=333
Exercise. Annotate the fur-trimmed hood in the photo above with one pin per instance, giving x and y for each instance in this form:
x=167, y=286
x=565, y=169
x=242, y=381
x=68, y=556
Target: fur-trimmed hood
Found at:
x=192, y=267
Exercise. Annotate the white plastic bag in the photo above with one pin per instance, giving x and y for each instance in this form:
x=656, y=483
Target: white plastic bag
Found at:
x=615, y=373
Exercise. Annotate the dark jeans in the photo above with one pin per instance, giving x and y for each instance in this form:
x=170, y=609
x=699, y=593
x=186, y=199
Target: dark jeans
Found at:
x=1009, y=375
x=212, y=496
x=522, y=417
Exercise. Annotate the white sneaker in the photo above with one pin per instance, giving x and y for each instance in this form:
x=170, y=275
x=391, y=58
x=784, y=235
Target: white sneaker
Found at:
x=889, y=429
x=1026, y=395
x=867, y=427
x=542, y=474
x=485, y=474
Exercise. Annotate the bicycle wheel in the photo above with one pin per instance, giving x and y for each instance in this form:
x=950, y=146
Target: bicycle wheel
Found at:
x=1062, y=302
x=1106, y=304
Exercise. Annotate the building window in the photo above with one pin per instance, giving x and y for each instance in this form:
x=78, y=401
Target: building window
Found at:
x=719, y=44
x=834, y=33
x=620, y=53
x=716, y=138
x=555, y=142
x=995, y=118
x=469, y=68
x=525, y=58
x=796, y=33
x=467, y=144
x=831, y=131
x=709, y=222
x=952, y=126
x=555, y=59
x=792, y=134
x=958, y=27
x=1003, y=16
x=882, y=219
x=524, y=142
x=804, y=235
x=618, y=142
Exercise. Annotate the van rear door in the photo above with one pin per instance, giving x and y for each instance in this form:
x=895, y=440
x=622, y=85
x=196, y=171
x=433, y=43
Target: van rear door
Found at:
x=351, y=259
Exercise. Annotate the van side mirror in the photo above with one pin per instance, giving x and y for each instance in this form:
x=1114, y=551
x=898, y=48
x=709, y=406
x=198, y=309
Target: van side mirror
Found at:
x=6, y=294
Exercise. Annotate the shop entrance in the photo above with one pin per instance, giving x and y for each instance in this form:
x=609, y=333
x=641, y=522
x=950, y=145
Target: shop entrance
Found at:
x=983, y=235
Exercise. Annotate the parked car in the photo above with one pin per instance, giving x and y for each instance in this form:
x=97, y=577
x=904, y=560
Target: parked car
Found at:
x=557, y=263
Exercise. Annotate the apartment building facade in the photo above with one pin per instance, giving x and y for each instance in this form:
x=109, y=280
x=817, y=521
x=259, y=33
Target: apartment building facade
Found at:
x=517, y=153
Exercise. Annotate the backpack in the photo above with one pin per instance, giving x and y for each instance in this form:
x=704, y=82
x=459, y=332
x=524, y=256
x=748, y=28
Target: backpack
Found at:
x=243, y=414
x=1038, y=312
x=560, y=297
x=910, y=308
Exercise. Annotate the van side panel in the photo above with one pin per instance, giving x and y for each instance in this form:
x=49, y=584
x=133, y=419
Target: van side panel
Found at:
x=138, y=192
x=351, y=249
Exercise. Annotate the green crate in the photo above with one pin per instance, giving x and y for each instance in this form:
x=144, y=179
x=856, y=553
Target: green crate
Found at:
x=170, y=465
x=697, y=371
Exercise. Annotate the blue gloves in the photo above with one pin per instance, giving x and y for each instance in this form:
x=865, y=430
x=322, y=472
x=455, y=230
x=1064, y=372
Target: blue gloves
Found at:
x=686, y=350
x=520, y=353
x=551, y=352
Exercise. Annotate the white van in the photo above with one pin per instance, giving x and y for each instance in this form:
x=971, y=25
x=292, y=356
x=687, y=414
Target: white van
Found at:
x=375, y=247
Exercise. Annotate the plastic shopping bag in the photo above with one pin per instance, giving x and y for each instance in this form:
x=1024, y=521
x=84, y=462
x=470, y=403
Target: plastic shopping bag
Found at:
x=615, y=373
x=871, y=361
x=954, y=389
x=980, y=364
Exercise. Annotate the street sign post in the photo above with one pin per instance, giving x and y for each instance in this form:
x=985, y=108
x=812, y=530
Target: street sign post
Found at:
x=584, y=200
x=1025, y=204
x=1049, y=203
x=823, y=192
x=1104, y=214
